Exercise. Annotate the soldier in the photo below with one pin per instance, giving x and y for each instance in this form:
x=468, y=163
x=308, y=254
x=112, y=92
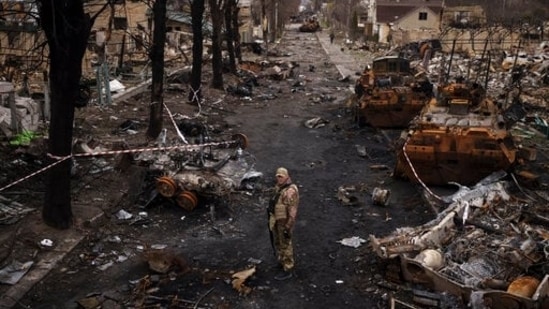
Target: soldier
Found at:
x=282, y=213
x=332, y=37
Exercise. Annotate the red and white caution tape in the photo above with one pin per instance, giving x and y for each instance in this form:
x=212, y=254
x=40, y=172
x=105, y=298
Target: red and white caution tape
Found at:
x=114, y=152
x=414, y=171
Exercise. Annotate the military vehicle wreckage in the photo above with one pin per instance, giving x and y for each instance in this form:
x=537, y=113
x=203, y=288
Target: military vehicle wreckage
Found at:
x=389, y=95
x=208, y=169
x=310, y=24
x=487, y=247
x=460, y=136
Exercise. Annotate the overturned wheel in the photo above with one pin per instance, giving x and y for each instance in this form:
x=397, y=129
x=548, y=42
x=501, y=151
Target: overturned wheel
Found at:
x=241, y=139
x=166, y=186
x=187, y=200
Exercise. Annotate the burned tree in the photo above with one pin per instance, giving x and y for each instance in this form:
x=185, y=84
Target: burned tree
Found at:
x=197, y=12
x=67, y=29
x=157, y=59
x=237, y=38
x=216, y=12
x=231, y=32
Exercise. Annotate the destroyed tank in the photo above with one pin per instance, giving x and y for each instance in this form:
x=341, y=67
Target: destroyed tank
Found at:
x=310, y=24
x=389, y=95
x=461, y=136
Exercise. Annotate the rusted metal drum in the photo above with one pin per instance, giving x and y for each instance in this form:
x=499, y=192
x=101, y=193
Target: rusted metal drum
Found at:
x=166, y=186
x=187, y=200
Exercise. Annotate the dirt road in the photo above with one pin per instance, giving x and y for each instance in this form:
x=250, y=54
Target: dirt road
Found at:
x=218, y=238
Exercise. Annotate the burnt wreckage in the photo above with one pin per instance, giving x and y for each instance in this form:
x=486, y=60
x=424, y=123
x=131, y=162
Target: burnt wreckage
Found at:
x=389, y=95
x=488, y=247
x=460, y=136
x=488, y=244
x=310, y=24
x=204, y=170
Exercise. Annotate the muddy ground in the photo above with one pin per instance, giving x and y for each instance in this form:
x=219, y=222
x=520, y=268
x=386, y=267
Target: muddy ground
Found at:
x=108, y=268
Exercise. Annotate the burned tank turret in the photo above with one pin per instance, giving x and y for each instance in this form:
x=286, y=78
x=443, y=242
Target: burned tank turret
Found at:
x=389, y=95
x=460, y=136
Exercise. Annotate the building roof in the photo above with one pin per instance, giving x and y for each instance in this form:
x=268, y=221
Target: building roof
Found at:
x=392, y=10
x=244, y=3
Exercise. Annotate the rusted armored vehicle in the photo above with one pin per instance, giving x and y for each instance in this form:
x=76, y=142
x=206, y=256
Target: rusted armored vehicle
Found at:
x=310, y=24
x=389, y=95
x=460, y=136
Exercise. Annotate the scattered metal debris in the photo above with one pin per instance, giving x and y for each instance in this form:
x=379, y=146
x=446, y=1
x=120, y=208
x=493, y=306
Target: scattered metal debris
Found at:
x=477, y=248
x=381, y=196
x=12, y=273
x=12, y=211
x=354, y=241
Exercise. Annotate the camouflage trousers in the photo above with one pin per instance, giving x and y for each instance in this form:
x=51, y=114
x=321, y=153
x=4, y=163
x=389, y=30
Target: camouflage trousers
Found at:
x=282, y=244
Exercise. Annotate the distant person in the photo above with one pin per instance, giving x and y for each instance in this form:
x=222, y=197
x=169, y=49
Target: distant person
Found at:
x=282, y=213
x=332, y=37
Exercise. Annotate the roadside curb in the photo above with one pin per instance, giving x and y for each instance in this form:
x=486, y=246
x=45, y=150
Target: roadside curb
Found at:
x=66, y=240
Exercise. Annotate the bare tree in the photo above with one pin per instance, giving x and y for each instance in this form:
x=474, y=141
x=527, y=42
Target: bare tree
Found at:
x=231, y=32
x=216, y=13
x=67, y=29
x=197, y=13
x=157, y=63
x=237, y=38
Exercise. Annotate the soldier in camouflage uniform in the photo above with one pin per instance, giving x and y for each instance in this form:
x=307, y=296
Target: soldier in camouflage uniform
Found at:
x=282, y=214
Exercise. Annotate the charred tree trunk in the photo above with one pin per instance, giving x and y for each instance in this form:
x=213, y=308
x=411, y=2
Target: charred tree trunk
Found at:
x=157, y=62
x=217, y=60
x=197, y=13
x=237, y=39
x=67, y=29
x=272, y=21
x=230, y=7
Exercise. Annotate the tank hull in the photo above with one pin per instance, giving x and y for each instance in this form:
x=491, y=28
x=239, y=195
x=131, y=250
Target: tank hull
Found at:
x=458, y=156
x=457, y=137
x=390, y=110
x=389, y=95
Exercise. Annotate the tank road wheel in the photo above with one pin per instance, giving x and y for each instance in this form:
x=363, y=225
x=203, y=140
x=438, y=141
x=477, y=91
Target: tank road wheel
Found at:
x=166, y=186
x=241, y=139
x=187, y=200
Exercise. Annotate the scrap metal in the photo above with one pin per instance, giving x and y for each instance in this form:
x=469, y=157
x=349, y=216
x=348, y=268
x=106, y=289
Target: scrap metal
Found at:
x=483, y=247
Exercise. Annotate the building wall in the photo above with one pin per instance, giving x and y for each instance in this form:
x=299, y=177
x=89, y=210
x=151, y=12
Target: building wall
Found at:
x=474, y=14
x=412, y=20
